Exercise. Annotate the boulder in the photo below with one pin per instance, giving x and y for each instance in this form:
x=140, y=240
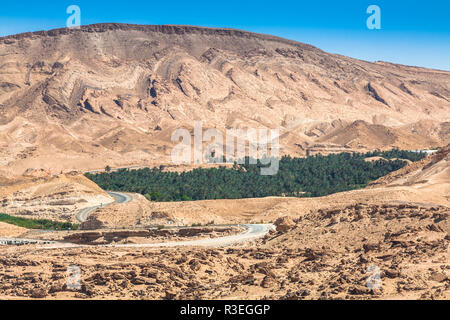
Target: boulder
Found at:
x=284, y=224
x=39, y=293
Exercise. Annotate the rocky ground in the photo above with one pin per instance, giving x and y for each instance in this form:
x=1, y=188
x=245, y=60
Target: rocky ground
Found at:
x=113, y=94
x=402, y=250
x=389, y=241
x=129, y=236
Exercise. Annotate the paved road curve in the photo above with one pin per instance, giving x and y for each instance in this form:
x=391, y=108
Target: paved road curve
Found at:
x=119, y=197
x=253, y=232
x=81, y=216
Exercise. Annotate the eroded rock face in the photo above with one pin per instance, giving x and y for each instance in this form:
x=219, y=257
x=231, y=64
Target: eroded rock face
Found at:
x=106, y=237
x=126, y=83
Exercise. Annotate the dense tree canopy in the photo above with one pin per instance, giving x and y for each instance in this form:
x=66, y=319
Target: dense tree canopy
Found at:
x=304, y=177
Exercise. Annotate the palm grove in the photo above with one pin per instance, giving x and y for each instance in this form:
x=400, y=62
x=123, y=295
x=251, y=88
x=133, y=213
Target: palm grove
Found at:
x=302, y=177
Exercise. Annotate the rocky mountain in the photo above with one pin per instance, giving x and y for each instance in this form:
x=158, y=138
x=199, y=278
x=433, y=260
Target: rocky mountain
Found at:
x=112, y=94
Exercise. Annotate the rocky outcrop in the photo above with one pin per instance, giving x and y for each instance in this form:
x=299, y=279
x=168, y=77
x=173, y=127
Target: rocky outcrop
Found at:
x=284, y=224
x=105, y=237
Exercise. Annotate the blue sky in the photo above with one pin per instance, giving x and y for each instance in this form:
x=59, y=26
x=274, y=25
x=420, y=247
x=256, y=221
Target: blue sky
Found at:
x=412, y=32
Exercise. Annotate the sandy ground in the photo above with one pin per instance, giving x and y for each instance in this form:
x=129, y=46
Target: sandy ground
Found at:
x=8, y=230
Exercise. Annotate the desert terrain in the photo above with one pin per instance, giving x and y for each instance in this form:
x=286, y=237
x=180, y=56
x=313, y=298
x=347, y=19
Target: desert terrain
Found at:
x=110, y=95
x=388, y=241
x=56, y=197
x=72, y=99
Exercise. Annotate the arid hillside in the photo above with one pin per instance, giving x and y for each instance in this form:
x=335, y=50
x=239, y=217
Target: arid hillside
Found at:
x=41, y=195
x=112, y=94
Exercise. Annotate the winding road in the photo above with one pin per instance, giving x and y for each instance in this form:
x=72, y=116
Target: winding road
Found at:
x=119, y=197
x=253, y=232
